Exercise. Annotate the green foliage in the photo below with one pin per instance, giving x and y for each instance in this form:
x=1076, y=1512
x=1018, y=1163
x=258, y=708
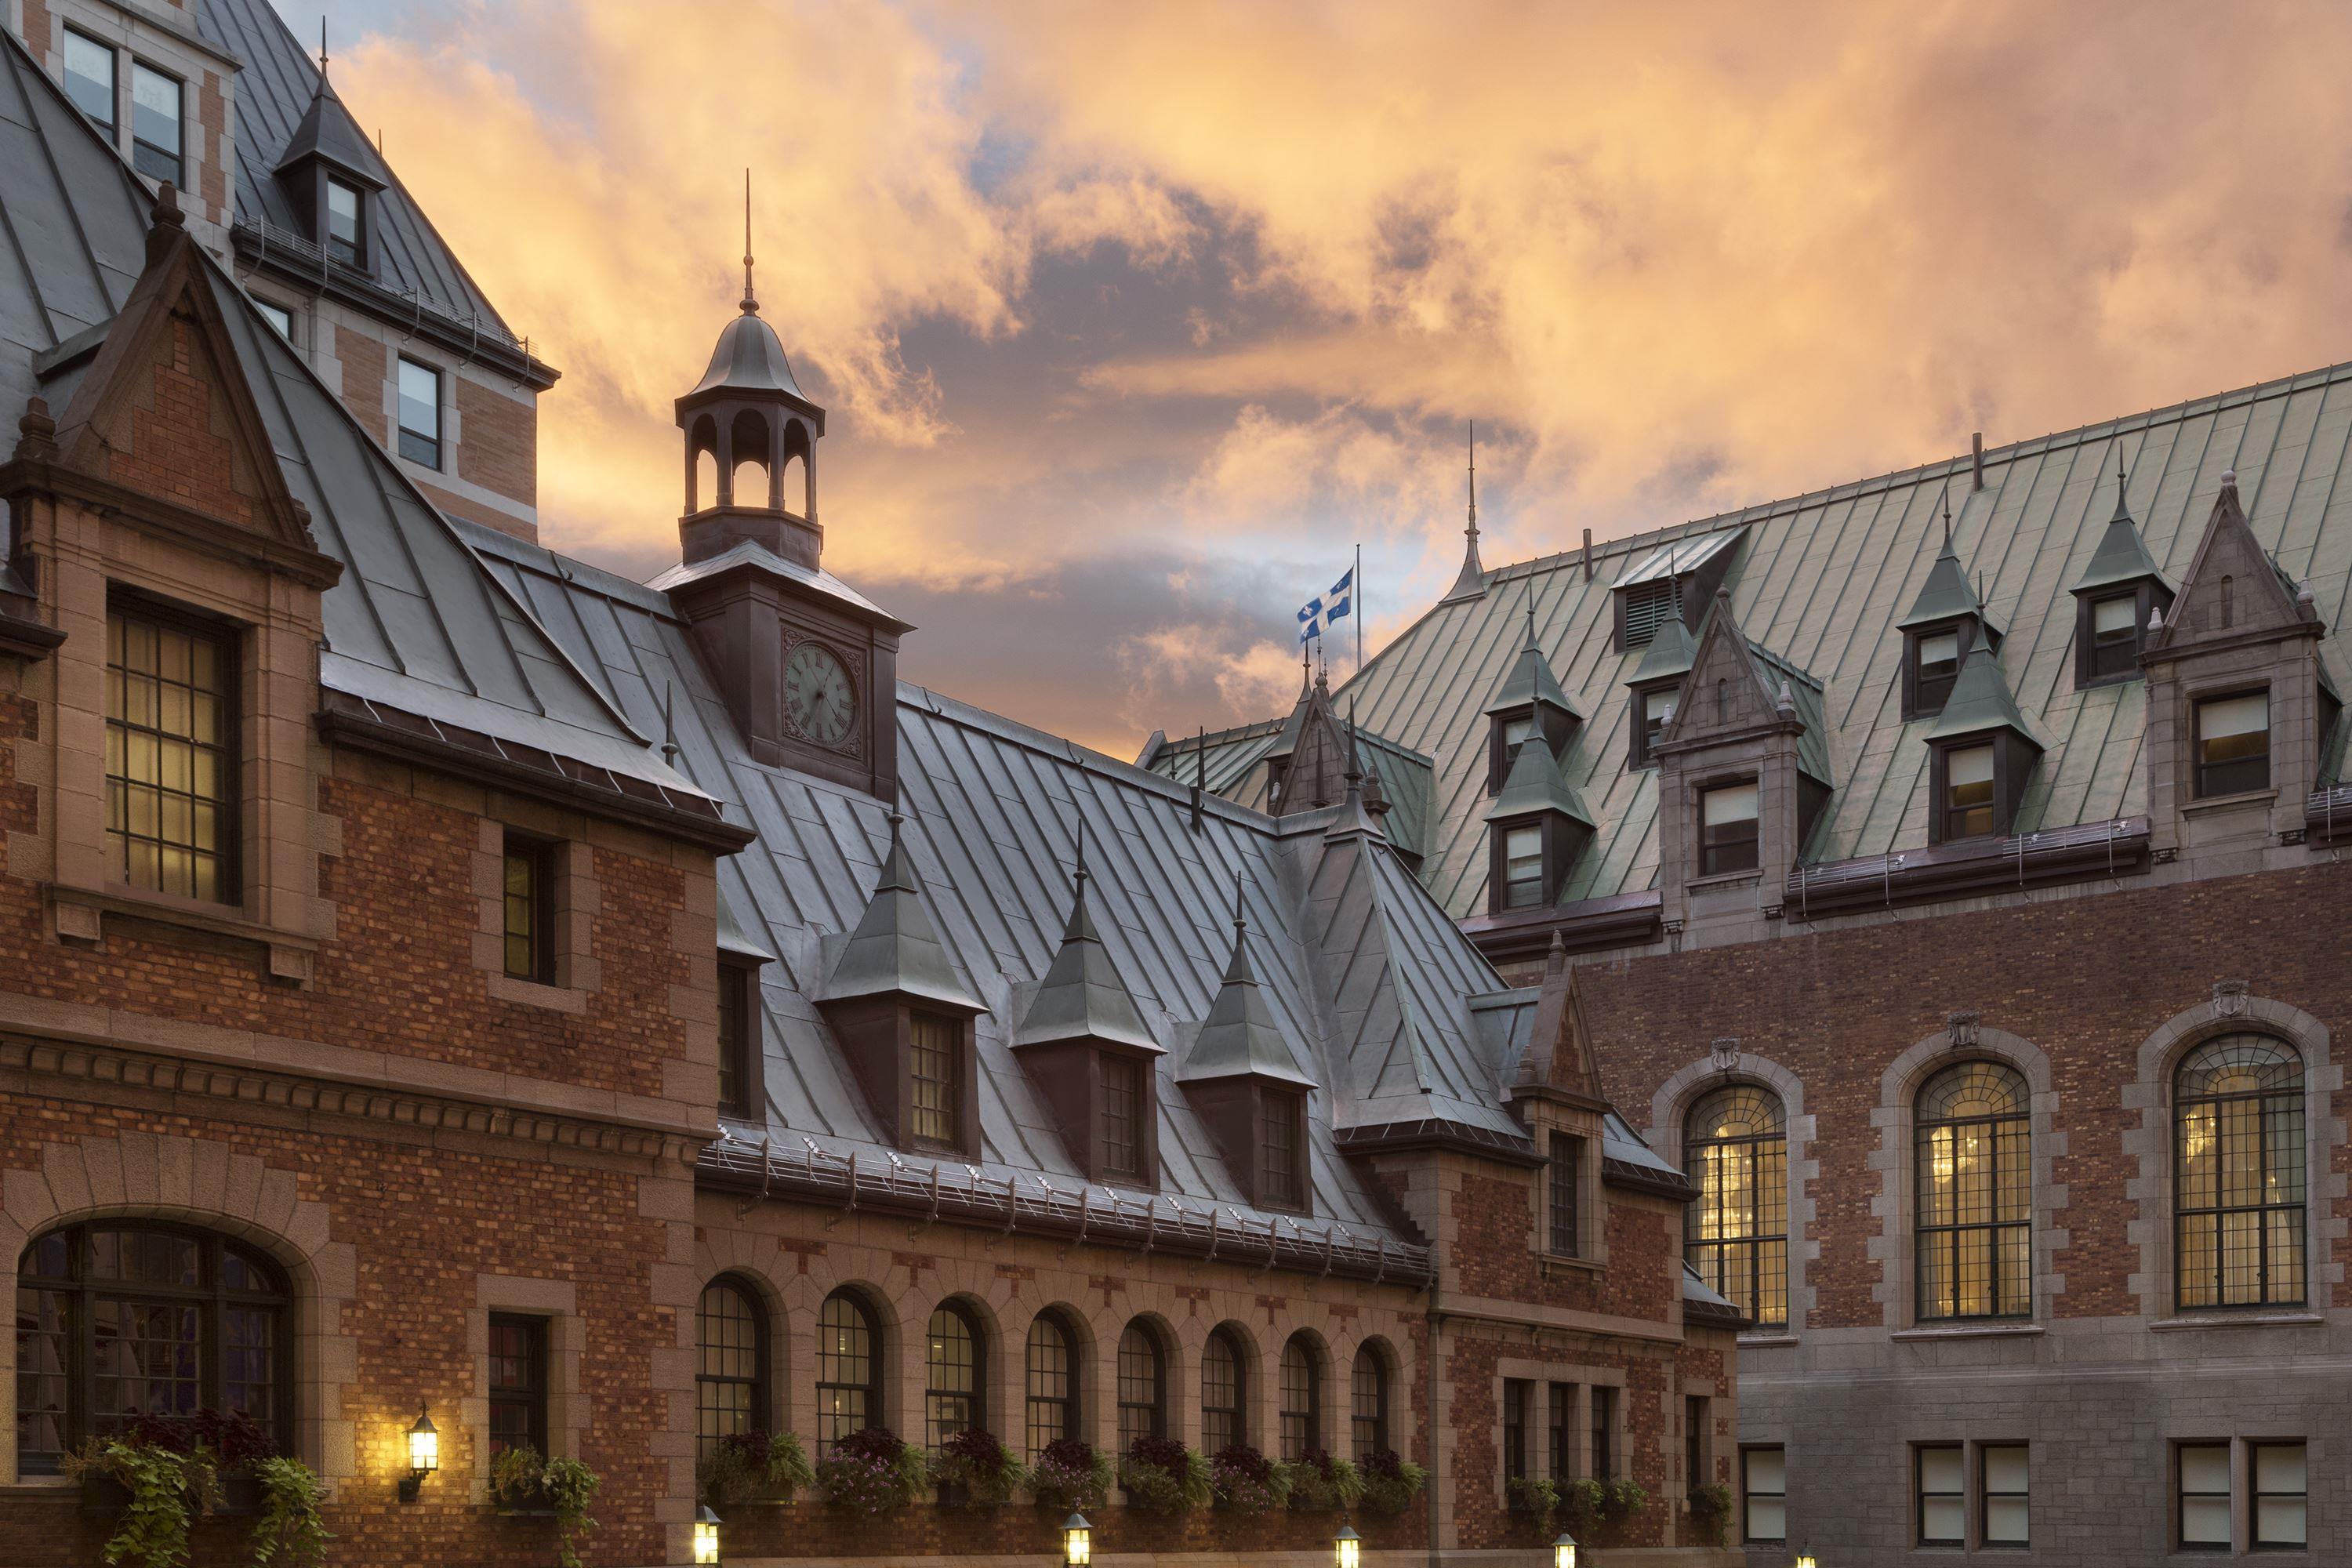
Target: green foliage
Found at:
x=1585, y=1499
x=1711, y=1509
x=872, y=1472
x=1624, y=1498
x=167, y=1490
x=1072, y=1476
x=1537, y=1498
x=755, y=1464
x=978, y=1468
x=289, y=1522
x=571, y=1485
x=1390, y=1483
x=1318, y=1481
x=516, y=1475
x=1162, y=1475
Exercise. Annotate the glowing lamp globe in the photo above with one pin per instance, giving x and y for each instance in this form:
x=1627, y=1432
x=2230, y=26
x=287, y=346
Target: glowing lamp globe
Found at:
x=1346, y=1548
x=706, y=1535
x=1563, y=1551
x=1077, y=1542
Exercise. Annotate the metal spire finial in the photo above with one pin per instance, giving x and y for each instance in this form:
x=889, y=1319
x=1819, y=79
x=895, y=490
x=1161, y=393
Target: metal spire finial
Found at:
x=669, y=725
x=1241, y=922
x=322, y=50
x=1948, y=517
x=751, y=301
x=1472, y=529
x=1082, y=857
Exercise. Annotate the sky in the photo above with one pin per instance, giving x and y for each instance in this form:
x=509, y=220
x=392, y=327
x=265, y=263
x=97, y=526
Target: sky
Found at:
x=1134, y=322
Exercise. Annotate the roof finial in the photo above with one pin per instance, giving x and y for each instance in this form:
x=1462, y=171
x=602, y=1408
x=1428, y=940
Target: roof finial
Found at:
x=1531, y=612
x=1082, y=857
x=1241, y=922
x=670, y=726
x=751, y=301
x=1354, y=773
x=322, y=50
x=1947, y=518
x=1473, y=530
x=2123, y=513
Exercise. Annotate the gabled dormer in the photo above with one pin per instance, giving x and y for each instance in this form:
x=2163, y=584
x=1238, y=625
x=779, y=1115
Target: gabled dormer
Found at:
x=1090, y=1056
x=2118, y=596
x=1981, y=754
x=2237, y=703
x=904, y=1016
x=333, y=177
x=1945, y=624
x=1245, y=1084
x=1672, y=581
x=1529, y=705
x=1535, y=831
x=1556, y=1095
x=1656, y=684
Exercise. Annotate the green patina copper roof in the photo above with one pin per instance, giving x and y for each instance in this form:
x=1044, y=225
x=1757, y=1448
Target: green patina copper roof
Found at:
x=1980, y=702
x=1672, y=648
x=1531, y=680
x=896, y=949
x=1946, y=595
x=2121, y=556
x=1535, y=783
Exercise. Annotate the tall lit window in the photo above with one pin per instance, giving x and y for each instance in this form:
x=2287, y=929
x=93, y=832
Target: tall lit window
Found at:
x=1368, y=1404
x=1735, y=1147
x=170, y=790
x=730, y=1355
x=1940, y=667
x=2238, y=1182
x=1967, y=802
x=848, y=1396
x=2281, y=1495
x=2202, y=1472
x=114, y=1322
x=1277, y=1149
x=1142, y=1387
x=1051, y=1384
x=1522, y=867
x=518, y=1383
x=2233, y=744
x=1566, y=1173
x=1975, y=1207
x=420, y=414
x=1943, y=1504
x=1122, y=1081
x=346, y=231
x=90, y=79
x=951, y=1377
x=1726, y=816
x=2115, y=636
x=1302, y=1399
x=938, y=1066
x=1764, y=1494
x=528, y=901
x=1223, y=1374
x=155, y=123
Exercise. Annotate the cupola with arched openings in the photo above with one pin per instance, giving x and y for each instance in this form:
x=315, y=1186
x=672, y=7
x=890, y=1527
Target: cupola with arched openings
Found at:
x=749, y=417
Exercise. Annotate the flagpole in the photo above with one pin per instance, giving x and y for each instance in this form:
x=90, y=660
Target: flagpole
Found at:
x=1360, y=609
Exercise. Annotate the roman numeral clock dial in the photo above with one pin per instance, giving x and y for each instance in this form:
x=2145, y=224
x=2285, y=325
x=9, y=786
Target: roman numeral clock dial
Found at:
x=819, y=697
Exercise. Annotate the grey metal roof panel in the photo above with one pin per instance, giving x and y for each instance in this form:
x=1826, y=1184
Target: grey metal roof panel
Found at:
x=750, y=553
x=1673, y=559
x=1821, y=585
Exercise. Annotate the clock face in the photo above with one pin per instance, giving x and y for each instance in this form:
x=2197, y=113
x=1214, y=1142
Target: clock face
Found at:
x=818, y=698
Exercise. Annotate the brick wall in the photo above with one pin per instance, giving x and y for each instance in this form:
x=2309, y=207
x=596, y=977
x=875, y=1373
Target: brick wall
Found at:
x=499, y=448
x=366, y=367
x=179, y=444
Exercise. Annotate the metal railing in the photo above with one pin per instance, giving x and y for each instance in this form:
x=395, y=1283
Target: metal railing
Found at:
x=2121, y=838
x=264, y=240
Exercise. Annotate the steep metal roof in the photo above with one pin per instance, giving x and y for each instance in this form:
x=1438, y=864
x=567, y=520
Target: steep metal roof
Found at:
x=1232, y=758
x=1819, y=585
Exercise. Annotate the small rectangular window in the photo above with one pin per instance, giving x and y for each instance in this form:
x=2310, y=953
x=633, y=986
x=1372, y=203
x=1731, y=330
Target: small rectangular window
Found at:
x=2115, y=636
x=1939, y=667
x=2001, y=1486
x=1604, y=1433
x=518, y=1383
x=2204, y=1506
x=1967, y=793
x=90, y=79
x=2281, y=1495
x=278, y=316
x=1943, y=1506
x=1563, y=1430
x=2233, y=744
x=1122, y=1081
x=171, y=771
x=735, y=1039
x=1515, y=1428
x=1567, y=1161
x=1523, y=876
x=1695, y=1419
x=1657, y=712
x=530, y=887
x=1764, y=1494
x=346, y=236
x=937, y=1060
x=1277, y=1141
x=1727, y=829
x=420, y=414
x=155, y=123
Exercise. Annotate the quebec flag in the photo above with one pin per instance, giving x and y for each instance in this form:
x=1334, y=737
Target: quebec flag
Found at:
x=1316, y=615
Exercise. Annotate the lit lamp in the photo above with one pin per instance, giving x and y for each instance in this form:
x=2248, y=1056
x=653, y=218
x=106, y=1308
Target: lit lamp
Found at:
x=1346, y=1548
x=1563, y=1551
x=1807, y=1560
x=1077, y=1542
x=423, y=1454
x=706, y=1535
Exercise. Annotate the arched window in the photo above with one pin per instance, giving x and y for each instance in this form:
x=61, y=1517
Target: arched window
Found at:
x=114, y=1322
x=1224, y=1391
x=1052, y=1383
x=1368, y=1404
x=952, y=1376
x=848, y=1370
x=1735, y=1147
x=1975, y=1229
x=731, y=1362
x=1142, y=1387
x=1302, y=1398
x=2238, y=1168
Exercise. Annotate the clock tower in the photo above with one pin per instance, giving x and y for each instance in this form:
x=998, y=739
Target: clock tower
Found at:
x=809, y=667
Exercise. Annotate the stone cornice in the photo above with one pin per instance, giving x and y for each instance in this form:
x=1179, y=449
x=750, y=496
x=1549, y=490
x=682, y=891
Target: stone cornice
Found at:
x=169, y=519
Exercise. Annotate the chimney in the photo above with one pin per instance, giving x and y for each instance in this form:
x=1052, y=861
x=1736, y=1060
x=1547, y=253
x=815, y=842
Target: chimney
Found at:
x=1976, y=450
x=1588, y=555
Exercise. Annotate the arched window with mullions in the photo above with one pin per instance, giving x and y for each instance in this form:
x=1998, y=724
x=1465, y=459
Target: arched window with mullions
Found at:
x=118, y=1322
x=848, y=1370
x=1368, y=1404
x=731, y=1362
x=2238, y=1174
x=952, y=1375
x=1975, y=1207
x=1142, y=1385
x=1052, y=1383
x=1225, y=1394
x=1736, y=1234
x=1301, y=1381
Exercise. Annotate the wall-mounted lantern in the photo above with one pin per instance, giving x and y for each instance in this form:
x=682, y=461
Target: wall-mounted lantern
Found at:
x=1346, y=1548
x=423, y=1454
x=706, y=1535
x=1563, y=1551
x=1077, y=1542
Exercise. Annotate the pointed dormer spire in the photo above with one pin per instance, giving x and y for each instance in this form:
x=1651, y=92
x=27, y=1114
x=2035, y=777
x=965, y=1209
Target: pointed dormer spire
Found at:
x=894, y=950
x=322, y=51
x=751, y=301
x=1354, y=773
x=1947, y=520
x=1472, y=580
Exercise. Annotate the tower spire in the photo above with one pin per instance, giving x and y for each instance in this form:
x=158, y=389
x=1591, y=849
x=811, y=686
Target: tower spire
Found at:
x=751, y=301
x=1471, y=582
x=1473, y=530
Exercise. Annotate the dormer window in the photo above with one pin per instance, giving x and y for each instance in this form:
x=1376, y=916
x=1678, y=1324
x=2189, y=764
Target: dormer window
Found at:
x=1523, y=877
x=1966, y=794
x=1662, y=586
x=1727, y=828
x=1515, y=730
x=1535, y=831
x=1122, y=1117
x=1279, y=1183
x=2233, y=744
x=346, y=236
x=1939, y=665
x=934, y=1057
x=2114, y=636
x=1653, y=709
x=1646, y=607
x=1981, y=754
